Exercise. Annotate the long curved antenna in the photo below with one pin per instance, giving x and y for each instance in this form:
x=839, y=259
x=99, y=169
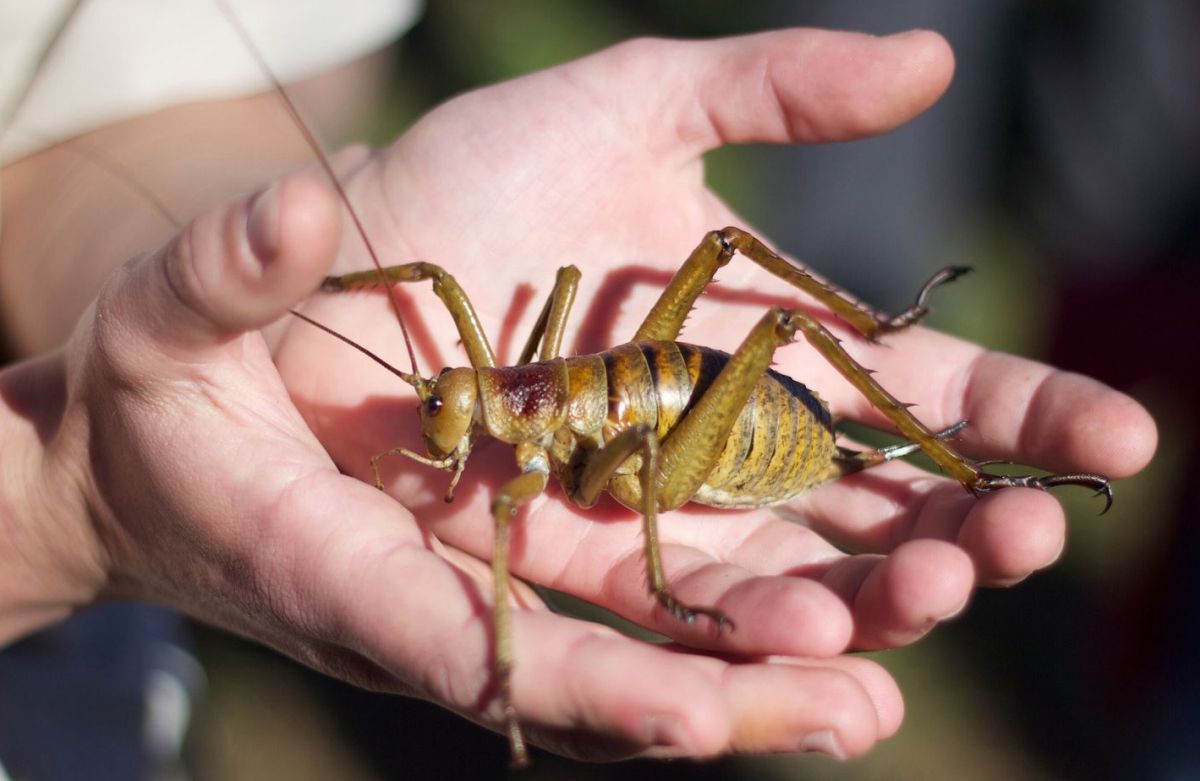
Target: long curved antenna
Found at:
x=412, y=379
x=121, y=173
x=319, y=153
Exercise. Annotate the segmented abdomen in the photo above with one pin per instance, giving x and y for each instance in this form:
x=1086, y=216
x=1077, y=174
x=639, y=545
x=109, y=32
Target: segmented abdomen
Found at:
x=781, y=444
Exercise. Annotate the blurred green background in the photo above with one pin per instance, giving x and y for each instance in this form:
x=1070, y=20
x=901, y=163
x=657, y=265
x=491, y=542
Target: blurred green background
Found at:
x=1045, y=680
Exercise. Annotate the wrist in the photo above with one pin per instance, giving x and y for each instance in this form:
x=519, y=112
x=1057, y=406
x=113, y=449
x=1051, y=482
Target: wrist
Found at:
x=51, y=559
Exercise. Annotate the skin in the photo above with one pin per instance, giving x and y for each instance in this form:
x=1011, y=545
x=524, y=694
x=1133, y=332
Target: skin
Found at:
x=183, y=445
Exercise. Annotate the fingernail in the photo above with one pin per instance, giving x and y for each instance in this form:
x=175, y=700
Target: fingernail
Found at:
x=1058, y=552
x=956, y=612
x=262, y=226
x=902, y=36
x=668, y=732
x=823, y=742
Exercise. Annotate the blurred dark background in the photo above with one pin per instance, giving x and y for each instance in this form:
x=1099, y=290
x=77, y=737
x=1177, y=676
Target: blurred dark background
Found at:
x=1063, y=165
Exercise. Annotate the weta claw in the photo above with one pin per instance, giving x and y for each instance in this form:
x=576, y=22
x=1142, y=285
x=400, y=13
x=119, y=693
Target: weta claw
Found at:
x=994, y=462
x=688, y=613
x=947, y=274
x=919, y=309
x=1101, y=484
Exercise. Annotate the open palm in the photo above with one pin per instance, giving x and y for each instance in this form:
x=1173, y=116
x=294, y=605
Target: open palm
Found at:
x=184, y=467
x=598, y=163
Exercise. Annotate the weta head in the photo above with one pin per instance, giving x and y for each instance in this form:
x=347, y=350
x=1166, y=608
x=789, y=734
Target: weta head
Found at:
x=448, y=413
x=447, y=410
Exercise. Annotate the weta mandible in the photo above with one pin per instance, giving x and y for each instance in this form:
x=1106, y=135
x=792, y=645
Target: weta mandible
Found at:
x=656, y=422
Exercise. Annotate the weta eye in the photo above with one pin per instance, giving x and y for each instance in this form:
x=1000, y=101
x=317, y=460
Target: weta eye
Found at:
x=433, y=405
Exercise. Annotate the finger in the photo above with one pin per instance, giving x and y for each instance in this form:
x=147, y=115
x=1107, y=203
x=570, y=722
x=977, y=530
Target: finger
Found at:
x=710, y=559
x=669, y=702
x=782, y=594
x=1017, y=408
x=1007, y=534
x=879, y=685
x=897, y=599
x=1058, y=419
x=729, y=562
x=1012, y=534
x=231, y=270
x=578, y=687
x=875, y=680
x=781, y=87
x=837, y=717
x=767, y=615
x=766, y=574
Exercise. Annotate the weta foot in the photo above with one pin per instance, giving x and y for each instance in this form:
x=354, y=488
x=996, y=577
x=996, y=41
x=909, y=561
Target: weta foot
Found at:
x=688, y=613
x=920, y=308
x=1099, y=483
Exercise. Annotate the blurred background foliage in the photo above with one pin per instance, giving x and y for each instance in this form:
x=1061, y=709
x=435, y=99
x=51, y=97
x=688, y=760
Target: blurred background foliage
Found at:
x=1072, y=674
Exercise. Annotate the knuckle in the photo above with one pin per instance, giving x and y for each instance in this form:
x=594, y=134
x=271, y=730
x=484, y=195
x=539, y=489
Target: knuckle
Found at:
x=640, y=52
x=115, y=334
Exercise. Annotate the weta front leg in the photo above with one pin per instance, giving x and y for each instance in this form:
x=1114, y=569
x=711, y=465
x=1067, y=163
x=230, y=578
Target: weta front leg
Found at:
x=515, y=493
x=445, y=286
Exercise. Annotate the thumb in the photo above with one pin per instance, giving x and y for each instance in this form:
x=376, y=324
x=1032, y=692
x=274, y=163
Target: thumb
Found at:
x=234, y=269
x=784, y=86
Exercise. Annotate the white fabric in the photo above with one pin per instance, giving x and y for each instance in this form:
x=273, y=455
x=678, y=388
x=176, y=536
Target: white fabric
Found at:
x=122, y=58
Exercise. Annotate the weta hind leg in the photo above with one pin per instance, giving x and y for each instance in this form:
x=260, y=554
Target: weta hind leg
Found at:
x=673, y=471
x=972, y=477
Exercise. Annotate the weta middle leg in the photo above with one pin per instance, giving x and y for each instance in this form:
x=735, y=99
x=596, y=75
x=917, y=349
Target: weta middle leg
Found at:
x=552, y=322
x=601, y=468
x=850, y=461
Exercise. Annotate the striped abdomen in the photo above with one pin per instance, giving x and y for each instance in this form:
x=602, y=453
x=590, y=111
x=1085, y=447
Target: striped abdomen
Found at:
x=781, y=444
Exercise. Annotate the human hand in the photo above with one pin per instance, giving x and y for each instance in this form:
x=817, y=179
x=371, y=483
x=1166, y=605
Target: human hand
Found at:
x=231, y=511
x=172, y=467
x=598, y=163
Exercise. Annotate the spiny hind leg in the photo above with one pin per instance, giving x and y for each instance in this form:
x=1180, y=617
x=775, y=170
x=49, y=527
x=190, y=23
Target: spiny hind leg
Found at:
x=666, y=318
x=674, y=471
x=969, y=473
x=601, y=467
x=695, y=443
